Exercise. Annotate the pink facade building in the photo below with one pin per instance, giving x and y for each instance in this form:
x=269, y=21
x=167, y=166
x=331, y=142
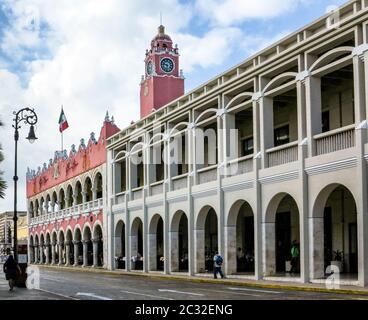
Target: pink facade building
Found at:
x=65, y=204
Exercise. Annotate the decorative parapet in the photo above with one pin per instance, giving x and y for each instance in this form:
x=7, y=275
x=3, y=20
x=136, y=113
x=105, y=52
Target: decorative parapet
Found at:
x=63, y=166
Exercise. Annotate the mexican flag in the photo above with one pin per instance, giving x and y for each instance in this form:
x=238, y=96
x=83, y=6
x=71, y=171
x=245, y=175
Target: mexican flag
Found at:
x=63, y=123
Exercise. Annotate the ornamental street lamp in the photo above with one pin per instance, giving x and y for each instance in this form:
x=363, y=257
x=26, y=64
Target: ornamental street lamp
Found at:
x=28, y=116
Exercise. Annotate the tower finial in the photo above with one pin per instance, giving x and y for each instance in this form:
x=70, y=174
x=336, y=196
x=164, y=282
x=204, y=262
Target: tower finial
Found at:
x=107, y=119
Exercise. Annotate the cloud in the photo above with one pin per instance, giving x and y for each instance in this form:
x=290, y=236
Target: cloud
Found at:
x=87, y=55
x=230, y=12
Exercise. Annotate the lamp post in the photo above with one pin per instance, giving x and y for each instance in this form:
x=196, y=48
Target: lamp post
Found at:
x=27, y=116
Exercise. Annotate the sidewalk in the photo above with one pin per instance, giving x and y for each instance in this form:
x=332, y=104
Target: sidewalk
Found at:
x=268, y=284
x=24, y=293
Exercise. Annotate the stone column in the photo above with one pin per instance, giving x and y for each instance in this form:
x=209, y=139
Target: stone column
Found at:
x=199, y=251
x=31, y=254
x=76, y=252
x=94, y=193
x=36, y=252
x=266, y=128
x=269, y=248
x=230, y=250
x=85, y=253
x=41, y=254
x=152, y=251
x=53, y=255
x=67, y=253
x=95, y=252
x=60, y=246
x=84, y=196
x=316, y=253
x=174, y=251
x=47, y=253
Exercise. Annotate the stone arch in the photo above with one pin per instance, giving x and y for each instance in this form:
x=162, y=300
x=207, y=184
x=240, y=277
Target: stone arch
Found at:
x=61, y=199
x=87, y=188
x=278, y=80
x=281, y=229
x=78, y=192
x=330, y=56
x=179, y=242
x=156, y=243
x=69, y=196
x=239, y=99
x=201, y=115
x=98, y=185
x=334, y=224
x=240, y=238
x=136, y=244
x=78, y=246
x=120, y=244
x=206, y=238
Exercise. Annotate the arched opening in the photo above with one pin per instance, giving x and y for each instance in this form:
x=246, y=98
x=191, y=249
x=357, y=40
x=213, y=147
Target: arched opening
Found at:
x=334, y=228
x=240, y=239
x=87, y=247
x=78, y=193
x=61, y=248
x=206, y=239
x=31, y=209
x=120, y=257
x=47, y=204
x=136, y=244
x=31, y=250
x=98, y=185
x=179, y=243
x=98, y=257
x=42, y=249
x=62, y=199
x=156, y=243
x=37, y=208
x=88, y=189
x=69, y=196
x=54, y=202
x=78, y=247
x=36, y=249
x=54, y=249
x=69, y=248
x=42, y=206
x=48, y=248
x=282, y=231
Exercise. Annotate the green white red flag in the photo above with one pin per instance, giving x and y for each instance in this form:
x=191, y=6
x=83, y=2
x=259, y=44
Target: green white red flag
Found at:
x=63, y=123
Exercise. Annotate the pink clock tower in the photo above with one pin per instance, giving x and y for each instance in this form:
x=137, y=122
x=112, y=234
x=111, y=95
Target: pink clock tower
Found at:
x=163, y=80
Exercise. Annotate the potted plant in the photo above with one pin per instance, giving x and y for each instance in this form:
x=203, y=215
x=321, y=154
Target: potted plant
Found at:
x=337, y=259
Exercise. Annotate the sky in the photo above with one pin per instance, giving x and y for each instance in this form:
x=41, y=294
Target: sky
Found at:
x=87, y=55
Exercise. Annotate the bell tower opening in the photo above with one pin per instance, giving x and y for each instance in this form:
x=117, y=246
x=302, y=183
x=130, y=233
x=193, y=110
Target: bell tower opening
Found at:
x=163, y=81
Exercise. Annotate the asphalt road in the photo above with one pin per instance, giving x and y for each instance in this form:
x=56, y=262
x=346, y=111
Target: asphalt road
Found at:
x=93, y=286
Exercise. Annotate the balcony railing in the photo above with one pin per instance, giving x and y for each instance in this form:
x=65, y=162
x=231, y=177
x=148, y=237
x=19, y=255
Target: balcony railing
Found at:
x=68, y=212
x=120, y=198
x=283, y=154
x=137, y=193
x=207, y=174
x=335, y=140
x=240, y=166
x=180, y=182
x=157, y=188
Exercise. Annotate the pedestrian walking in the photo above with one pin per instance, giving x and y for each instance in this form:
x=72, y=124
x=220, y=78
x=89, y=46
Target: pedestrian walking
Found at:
x=294, y=257
x=10, y=269
x=218, y=260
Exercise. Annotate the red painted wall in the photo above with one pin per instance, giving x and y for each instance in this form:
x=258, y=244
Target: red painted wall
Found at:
x=84, y=160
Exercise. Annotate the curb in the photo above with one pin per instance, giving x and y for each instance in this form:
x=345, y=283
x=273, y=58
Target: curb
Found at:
x=247, y=283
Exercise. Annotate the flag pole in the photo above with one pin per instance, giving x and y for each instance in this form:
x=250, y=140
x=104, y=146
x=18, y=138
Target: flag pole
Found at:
x=62, y=137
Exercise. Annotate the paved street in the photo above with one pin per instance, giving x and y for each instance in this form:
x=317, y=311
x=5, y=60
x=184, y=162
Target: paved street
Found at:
x=94, y=286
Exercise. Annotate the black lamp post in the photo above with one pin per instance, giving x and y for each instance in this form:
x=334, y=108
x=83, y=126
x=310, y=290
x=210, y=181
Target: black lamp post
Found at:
x=28, y=116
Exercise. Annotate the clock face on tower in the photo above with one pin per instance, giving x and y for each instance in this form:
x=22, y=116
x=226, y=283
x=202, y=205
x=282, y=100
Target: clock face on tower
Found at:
x=167, y=65
x=150, y=68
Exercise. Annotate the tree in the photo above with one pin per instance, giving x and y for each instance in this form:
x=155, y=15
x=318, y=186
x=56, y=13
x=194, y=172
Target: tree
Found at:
x=2, y=181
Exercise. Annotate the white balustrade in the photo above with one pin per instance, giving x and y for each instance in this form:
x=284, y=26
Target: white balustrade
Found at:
x=283, y=154
x=335, y=140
